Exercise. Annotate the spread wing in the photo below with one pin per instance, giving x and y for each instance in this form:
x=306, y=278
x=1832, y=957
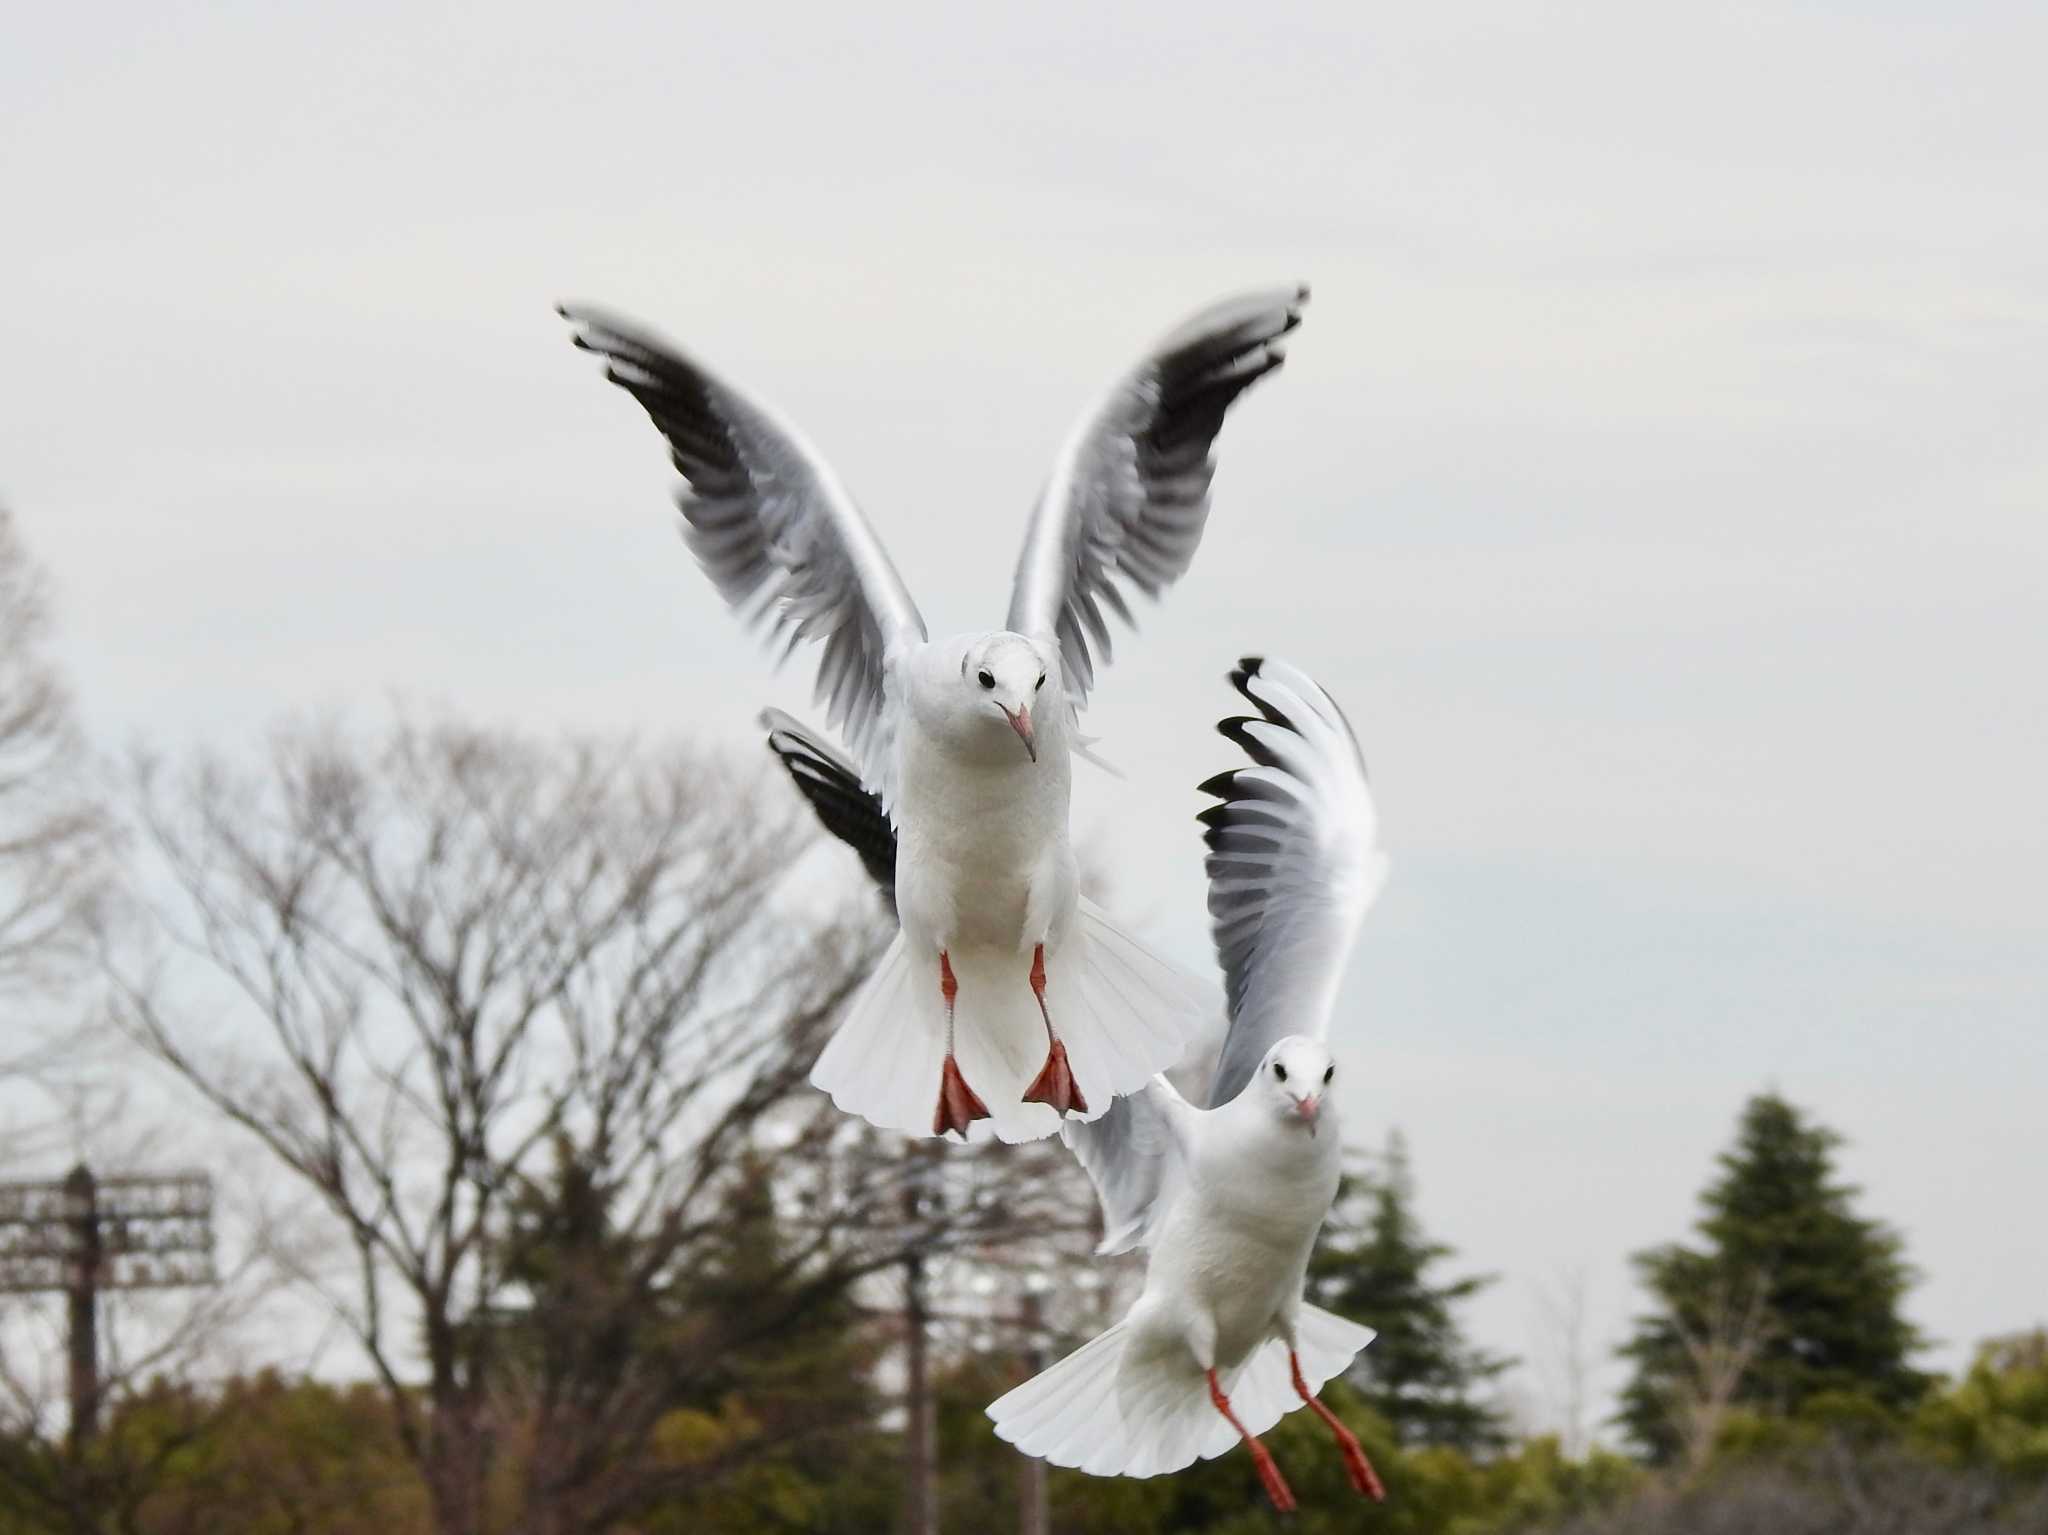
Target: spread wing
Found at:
x=845, y=806
x=773, y=528
x=1130, y=492
x=1136, y=1156
x=1294, y=864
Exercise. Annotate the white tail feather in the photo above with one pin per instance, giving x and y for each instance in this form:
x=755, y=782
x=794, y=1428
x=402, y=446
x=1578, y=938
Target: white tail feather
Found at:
x=1123, y=1013
x=1115, y=1407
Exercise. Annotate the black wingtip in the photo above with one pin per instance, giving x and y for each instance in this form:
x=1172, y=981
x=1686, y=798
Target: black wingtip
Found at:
x=1234, y=730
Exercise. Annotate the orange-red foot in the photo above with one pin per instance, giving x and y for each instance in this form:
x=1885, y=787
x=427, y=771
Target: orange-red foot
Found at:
x=958, y=1105
x=1277, y=1490
x=1360, y=1470
x=1055, y=1083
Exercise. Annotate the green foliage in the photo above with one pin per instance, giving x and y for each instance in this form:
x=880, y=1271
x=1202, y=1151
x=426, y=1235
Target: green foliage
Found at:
x=1997, y=1415
x=260, y=1456
x=1791, y=1292
x=764, y=1411
x=1375, y=1264
x=280, y=1456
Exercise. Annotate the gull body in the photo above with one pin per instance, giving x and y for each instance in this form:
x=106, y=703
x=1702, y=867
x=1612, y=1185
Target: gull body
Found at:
x=1229, y=1255
x=985, y=856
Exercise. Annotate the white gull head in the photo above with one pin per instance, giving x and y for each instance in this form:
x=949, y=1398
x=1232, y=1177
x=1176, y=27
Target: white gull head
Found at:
x=1293, y=1082
x=998, y=699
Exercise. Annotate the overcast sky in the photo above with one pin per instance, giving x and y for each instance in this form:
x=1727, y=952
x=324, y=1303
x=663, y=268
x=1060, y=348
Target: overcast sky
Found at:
x=1658, y=479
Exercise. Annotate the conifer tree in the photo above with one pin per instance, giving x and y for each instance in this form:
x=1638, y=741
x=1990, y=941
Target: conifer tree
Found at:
x=1376, y=1265
x=1789, y=1297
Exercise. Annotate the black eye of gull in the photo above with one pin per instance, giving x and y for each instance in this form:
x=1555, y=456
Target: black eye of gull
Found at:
x=1329, y=1072
x=986, y=679
x=1039, y=683
x=1280, y=1071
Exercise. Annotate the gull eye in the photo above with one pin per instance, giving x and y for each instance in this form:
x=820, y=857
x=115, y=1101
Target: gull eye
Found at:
x=1039, y=683
x=1329, y=1072
x=1280, y=1071
x=986, y=679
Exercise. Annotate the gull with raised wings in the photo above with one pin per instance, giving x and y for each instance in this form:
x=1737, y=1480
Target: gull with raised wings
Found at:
x=1006, y=996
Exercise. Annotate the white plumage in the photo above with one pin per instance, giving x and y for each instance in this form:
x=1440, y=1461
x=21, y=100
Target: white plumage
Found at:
x=1229, y=1198
x=1005, y=992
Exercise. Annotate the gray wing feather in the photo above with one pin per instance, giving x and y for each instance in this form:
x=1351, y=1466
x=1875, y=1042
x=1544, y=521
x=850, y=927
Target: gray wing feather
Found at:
x=1129, y=493
x=1135, y=1156
x=1293, y=864
x=779, y=536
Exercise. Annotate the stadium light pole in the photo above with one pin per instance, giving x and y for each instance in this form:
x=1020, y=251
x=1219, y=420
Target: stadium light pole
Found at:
x=81, y=1235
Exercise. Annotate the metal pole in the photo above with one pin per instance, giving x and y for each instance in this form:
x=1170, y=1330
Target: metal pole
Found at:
x=82, y=1293
x=920, y=1427
x=1034, y=1512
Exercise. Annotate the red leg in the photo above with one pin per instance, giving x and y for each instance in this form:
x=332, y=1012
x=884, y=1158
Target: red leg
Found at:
x=1363, y=1477
x=1054, y=1083
x=1262, y=1462
x=958, y=1106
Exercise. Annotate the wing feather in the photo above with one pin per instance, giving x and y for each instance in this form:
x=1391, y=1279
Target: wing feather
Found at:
x=778, y=535
x=1129, y=494
x=1293, y=864
x=1135, y=1155
x=844, y=805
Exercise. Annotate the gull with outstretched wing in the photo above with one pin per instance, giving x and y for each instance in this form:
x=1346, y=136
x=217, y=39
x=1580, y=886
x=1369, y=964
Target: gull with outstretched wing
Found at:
x=1006, y=996
x=1228, y=1196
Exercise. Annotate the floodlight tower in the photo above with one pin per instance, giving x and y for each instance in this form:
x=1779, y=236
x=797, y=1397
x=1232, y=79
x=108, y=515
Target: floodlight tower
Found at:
x=81, y=1235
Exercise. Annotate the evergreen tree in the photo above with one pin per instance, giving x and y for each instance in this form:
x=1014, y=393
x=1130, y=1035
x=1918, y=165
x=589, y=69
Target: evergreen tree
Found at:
x=1375, y=1264
x=1791, y=1296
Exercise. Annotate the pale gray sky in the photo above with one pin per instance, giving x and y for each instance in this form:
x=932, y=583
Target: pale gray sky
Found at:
x=1658, y=479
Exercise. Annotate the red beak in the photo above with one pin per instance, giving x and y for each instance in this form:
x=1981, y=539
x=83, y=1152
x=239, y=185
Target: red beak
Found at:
x=1021, y=723
x=1306, y=1108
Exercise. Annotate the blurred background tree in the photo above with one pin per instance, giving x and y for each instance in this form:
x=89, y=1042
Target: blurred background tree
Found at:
x=55, y=849
x=1791, y=1296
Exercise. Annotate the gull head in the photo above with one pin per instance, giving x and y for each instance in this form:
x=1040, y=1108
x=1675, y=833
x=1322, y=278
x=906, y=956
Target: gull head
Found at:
x=1295, y=1078
x=1003, y=679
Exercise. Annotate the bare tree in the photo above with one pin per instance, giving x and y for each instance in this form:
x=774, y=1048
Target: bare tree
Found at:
x=1719, y=1350
x=1562, y=1359
x=532, y=1023
x=52, y=836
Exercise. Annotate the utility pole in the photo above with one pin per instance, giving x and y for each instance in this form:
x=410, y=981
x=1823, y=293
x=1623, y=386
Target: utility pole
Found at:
x=920, y=1414
x=1034, y=1514
x=82, y=1235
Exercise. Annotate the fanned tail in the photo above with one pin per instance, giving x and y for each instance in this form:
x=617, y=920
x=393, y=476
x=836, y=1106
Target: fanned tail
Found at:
x=1115, y=1407
x=1122, y=1012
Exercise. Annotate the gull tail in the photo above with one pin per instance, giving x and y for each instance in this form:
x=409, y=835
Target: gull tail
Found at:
x=1122, y=1012
x=1120, y=1406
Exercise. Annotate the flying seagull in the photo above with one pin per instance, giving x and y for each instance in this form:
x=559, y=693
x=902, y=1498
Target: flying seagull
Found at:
x=1005, y=996
x=1229, y=1198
